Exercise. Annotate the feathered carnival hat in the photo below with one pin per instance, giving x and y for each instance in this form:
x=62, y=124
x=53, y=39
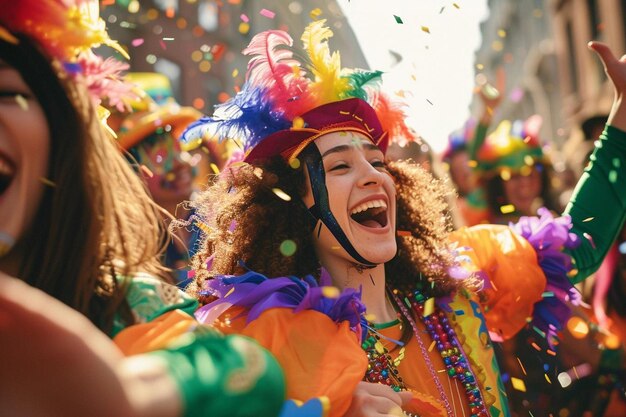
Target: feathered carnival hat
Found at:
x=154, y=109
x=459, y=139
x=66, y=31
x=514, y=147
x=291, y=98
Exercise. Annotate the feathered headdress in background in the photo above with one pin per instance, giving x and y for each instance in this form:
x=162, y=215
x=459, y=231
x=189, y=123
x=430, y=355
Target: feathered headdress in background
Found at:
x=66, y=31
x=291, y=97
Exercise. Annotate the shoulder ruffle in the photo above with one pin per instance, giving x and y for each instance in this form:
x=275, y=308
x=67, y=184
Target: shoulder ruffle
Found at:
x=256, y=293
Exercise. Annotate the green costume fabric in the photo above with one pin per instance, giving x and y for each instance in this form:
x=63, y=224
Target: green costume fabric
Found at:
x=598, y=204
x=217, y=375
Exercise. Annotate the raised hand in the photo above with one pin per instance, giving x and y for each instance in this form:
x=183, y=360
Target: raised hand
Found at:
x=616, y=71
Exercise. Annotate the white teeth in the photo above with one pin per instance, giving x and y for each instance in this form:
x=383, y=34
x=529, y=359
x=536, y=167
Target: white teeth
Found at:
x=369, y=205
x=5, y=168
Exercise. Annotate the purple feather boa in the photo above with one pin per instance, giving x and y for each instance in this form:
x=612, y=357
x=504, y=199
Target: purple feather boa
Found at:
x=257, y=293
x=549, y=236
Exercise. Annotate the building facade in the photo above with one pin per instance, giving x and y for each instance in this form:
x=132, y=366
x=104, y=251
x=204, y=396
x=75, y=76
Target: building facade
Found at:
x=198, y=43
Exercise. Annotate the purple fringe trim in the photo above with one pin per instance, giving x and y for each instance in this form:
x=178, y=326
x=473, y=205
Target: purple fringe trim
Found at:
x=257, y=293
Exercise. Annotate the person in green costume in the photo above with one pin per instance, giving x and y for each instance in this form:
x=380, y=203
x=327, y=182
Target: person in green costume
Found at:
x=79, y=250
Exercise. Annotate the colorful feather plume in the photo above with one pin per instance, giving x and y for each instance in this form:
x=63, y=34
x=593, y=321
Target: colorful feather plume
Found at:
x=67, y=30
x=284, y=82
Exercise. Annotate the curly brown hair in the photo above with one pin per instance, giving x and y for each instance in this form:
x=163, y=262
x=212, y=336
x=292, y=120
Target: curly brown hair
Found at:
x=245, y=222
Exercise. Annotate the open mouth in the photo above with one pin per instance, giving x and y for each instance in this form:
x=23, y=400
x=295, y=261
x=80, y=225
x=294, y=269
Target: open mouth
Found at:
x=7, y=172
x=371, y=214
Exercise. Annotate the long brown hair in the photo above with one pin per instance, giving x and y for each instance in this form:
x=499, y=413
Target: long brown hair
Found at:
x=97, y=224
x=246, y=222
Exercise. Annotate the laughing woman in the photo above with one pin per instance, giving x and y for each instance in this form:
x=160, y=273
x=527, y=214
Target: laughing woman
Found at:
x=79, y=250
x=317, y=207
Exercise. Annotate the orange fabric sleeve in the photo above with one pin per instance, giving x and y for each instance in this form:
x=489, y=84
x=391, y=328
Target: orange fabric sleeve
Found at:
x=319, y=357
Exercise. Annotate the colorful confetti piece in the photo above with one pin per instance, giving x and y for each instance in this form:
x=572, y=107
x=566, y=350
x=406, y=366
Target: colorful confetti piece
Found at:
x=137, y=42
x=506, y=209
x=518, y=384
x=21, y=101
x=398, y=19
x=267, y=13
x=590, y=239
x=429, y=307
x=315, y=13
x=47, y=182
x=245, y=18
x=288, y=247
x=281, y=194
x=425, y=29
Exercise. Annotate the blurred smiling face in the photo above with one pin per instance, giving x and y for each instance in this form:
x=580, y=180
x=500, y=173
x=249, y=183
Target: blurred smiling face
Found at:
x=24, y=151
x=361, y=195
x=172, y=178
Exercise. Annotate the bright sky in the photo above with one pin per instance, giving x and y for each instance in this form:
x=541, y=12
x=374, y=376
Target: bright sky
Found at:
x=436, y=67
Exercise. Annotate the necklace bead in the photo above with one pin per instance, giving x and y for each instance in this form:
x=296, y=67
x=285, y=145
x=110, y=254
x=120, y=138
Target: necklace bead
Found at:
x=382, y=369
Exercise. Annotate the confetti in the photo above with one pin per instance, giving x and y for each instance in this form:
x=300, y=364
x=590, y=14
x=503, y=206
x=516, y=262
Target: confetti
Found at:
x=288, y=247
x=267, y=13
x=47, y=182
x=281, y=194
x=429, y=307
x=506, y=209
x=432, y=345
x=577, y=327
x=429, y=102
x=315, y=13
x=245, y=18
x=146, y=171
x=21, y=101
x=518, y=384
x=590, y=239
x=442, y=8
x=425, y=29
x=403, y=233
x=298, y=123
x=456, y=5
x=547, y=379
x=294, y=163
x=588, y=219
x=137, y=42
x=536, y=346
x=235, y=72
x=398, y=19
x=244, y=28
x=521, y=365
x=215, y=168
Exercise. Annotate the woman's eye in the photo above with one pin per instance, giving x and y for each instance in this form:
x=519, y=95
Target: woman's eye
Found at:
x=339, y=167
x=378, y=164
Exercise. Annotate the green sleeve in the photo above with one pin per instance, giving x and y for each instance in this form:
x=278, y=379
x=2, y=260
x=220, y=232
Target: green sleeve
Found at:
x=598, y=203
x=149, y=298
x=224, y=375
x=479, y=138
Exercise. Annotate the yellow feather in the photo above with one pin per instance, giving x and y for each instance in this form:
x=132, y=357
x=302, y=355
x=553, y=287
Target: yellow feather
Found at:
x=328, y=85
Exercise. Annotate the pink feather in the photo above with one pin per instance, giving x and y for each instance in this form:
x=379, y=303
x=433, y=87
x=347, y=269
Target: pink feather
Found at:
x=273, y=67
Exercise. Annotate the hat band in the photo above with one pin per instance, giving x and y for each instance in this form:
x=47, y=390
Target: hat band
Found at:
x=292, y=153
